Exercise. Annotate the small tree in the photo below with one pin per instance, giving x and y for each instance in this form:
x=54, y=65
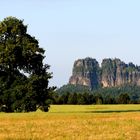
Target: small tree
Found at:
x=99, y=99
x=20, y=55
x=124, y=99
x=72, y=99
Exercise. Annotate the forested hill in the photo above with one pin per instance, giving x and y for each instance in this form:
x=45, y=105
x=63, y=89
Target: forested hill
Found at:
x=114, y=82
x=111, y=73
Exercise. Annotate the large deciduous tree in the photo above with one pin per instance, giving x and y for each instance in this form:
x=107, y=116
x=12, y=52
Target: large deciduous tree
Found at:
x=23, y=76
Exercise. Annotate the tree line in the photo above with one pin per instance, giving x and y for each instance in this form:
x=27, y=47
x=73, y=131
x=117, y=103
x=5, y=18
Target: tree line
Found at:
x=71, y=94
x=86, y=99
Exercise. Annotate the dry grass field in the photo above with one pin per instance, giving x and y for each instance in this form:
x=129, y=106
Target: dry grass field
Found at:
x=73, y=122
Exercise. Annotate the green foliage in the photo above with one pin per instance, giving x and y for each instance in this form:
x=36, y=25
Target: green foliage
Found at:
x=19, y=50
x=113, y=95
x=23, y=76
x=72, y=89
x=124, y=99
x=72, y=99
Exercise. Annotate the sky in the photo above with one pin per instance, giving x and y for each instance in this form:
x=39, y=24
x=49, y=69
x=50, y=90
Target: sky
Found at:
x=73, y=29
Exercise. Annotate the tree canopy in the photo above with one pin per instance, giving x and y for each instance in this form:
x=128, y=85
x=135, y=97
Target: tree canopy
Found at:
x=75, y=94
x=23, y=76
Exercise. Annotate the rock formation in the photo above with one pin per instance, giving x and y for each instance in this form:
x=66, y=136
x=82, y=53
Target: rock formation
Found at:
x=113, y=72
x=85, y=72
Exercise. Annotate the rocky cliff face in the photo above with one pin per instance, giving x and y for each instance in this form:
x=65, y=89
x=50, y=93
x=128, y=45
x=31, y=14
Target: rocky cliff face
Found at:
x=113, y=72
x=85, y=72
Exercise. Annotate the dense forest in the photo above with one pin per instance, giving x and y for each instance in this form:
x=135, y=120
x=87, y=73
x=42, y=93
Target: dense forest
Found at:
x=77, y=94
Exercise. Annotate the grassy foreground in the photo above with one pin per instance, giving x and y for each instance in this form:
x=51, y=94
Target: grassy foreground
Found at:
x=73, y=122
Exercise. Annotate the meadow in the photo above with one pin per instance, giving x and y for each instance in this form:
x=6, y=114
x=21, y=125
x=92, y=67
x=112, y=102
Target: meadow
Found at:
x=73, y=122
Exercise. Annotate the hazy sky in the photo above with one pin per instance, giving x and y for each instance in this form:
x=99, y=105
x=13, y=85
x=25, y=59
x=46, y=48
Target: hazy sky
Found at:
x=72, y=29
